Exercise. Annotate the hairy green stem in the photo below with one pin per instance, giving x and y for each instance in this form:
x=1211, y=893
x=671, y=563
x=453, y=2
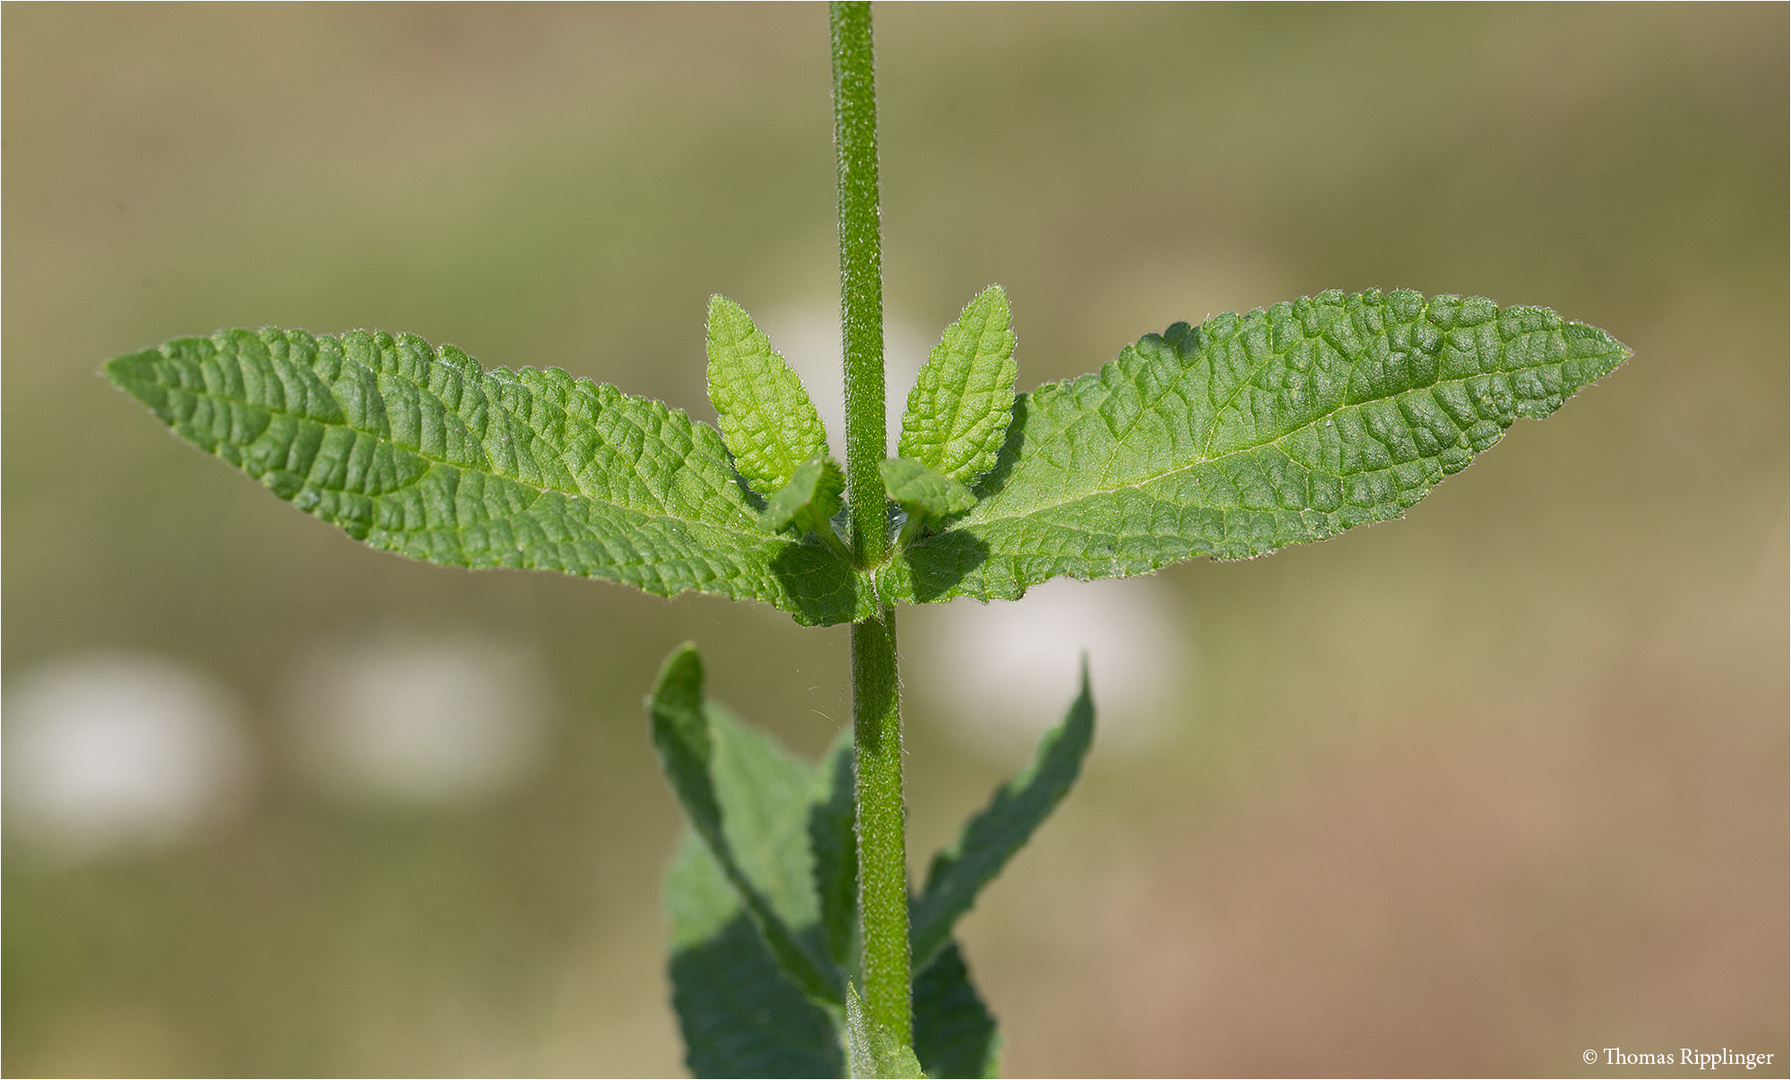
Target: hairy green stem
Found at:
x=876, y=695
x=882, y=824
x=861, y=276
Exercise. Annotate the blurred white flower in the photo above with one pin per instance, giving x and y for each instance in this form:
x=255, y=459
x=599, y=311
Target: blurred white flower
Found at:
x=1002, y=674
x=416, y=718
x=111, y=753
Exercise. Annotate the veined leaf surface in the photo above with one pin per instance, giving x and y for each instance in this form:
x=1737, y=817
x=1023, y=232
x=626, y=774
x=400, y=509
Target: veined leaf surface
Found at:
x=963, y=399
x=414, y=449
x=767, y=419
x=1250, y=433
x=922, y=492
x=809, y=500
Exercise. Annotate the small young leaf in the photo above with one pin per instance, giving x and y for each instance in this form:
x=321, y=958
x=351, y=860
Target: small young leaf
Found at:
x=963, y=400
x=809, y=500
x=416, y=450
x=748, y=800
x=954, y=1035
x=1250, y=433
x=926, y=495
x=1000, y=829
x=872, y=1050
x=740, y=1015
x=767, y=419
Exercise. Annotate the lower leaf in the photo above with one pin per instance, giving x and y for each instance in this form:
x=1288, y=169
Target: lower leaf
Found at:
x=748, y=799
x=737, y=1012
x=954, y=1035
x=995, y=833
x=763, y=903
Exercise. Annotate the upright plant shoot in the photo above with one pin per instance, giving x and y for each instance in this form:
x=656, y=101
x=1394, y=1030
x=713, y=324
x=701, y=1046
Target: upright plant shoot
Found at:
x=798, y=945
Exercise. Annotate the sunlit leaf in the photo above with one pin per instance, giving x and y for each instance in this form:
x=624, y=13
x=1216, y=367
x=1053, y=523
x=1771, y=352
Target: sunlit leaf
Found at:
x=1249, y=433
x=414, y=449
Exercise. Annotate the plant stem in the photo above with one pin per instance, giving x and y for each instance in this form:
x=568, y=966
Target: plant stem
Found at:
x=882, y=824
x=861, y=275
x=876, y=694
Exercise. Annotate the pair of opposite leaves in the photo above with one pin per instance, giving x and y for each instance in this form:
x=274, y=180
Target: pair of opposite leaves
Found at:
x=1231, y=439
x=957, y=419
x=763, y=895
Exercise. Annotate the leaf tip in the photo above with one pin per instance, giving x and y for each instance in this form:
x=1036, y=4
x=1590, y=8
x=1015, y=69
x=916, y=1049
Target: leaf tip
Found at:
x=680, y=679
x=1084, y=705
x=130, y=371
x=990, y=305
x=727, y=322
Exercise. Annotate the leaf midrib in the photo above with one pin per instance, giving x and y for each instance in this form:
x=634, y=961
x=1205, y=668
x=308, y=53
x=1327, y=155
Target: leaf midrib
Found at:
x=538, y=489
x=953, y=432
x=1275, y=443
x=1140, y=484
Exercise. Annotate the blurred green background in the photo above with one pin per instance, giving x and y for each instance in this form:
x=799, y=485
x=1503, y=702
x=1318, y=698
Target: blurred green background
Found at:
x=1466, y=793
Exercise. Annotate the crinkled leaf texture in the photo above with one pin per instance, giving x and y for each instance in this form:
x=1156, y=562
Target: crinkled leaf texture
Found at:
x=762, y=898
x=810, y=499
x=1250, y=433
x=415, y=449
x=922, y=492
x=767, y=419
x=963, y=398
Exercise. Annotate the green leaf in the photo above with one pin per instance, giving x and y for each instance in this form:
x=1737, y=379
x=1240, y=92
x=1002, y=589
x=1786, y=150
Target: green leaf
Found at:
x=1249, y=433
x=809, y=500
x=740, y=1016
x=1000, y=829
x=963, y=400
x=767, y=420
x=414, y=449
x=926, y=495
x=954, y=1035
x=874, y=1050
x=748, y=799
x=833, y=837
